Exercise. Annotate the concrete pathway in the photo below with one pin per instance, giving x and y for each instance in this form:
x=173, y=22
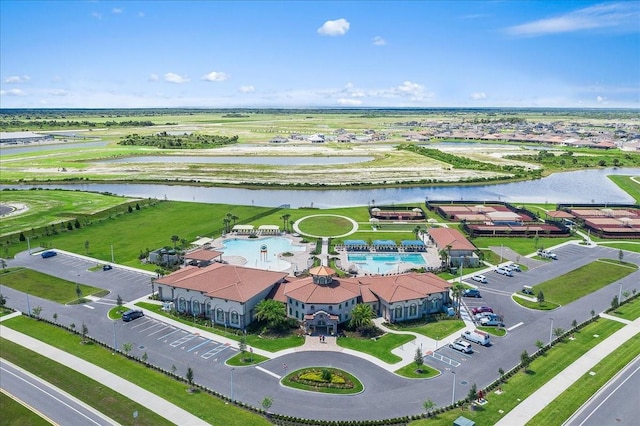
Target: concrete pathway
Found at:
x=134, y=392
x=538, y=400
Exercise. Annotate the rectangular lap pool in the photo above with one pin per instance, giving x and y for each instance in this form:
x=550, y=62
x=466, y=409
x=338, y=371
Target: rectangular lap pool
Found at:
x=384, y=263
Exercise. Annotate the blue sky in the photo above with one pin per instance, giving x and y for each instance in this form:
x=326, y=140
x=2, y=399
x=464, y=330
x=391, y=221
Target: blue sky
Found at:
x=217, y=54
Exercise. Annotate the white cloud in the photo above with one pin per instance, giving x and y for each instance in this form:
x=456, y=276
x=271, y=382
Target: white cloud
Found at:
x=16, y=79
x=12, y=92
x=349, y=102
x=215, y=76
x=478, y=96
x=176, y=78
x=116, y=10
x=339, y=27
x=59, y=92
x=408, y=88
x=153, y=77
x=141, y=14
x=379, y=41
x=246, y=89
x=96, y=15
x=600, y=99
x=620, y=16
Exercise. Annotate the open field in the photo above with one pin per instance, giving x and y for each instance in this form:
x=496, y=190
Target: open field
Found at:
x=207, y=407
x=380, y=348
x=16, y=414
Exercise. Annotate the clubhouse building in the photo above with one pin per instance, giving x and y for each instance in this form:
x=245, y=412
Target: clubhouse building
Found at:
x=228, y=294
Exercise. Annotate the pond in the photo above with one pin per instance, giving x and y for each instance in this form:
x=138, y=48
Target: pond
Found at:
x=582, y=186
x=263, y=160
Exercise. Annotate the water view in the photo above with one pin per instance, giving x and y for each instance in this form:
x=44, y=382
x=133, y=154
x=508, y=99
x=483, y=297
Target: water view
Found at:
x=261, y=253
x=379, y=263
x=582, y=186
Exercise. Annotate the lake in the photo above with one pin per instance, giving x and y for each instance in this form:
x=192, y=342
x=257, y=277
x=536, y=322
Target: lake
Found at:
x=582, y=186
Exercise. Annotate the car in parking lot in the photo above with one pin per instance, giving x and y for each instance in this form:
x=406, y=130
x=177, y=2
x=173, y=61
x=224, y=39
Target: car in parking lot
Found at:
x=527, y=289
x=131, y=315
x=471, y=292
x=504, y=271
x=107, y=267
x=481, y=315
x=462, y=346
x=479, y=278
x=48, y=253
x=491, y=320
x=481, y=309
x=513, y=267
x=546, y=254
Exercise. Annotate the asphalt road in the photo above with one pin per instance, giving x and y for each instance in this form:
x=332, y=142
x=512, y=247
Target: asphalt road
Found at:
x=394, y=396
x=54, y=404
x=615, y=404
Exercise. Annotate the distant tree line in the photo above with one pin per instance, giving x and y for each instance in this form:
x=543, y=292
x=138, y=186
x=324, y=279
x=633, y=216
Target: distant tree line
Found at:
x=50, y=124
x=185, y=141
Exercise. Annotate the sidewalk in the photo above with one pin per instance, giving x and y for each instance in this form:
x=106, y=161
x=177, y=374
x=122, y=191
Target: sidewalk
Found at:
x=538, y=400
x=134, y=392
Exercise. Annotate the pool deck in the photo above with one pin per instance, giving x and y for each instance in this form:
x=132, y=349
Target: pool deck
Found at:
x=431, y=258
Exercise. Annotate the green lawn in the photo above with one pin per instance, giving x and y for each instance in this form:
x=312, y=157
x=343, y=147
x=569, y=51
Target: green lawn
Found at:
x=435, y=330
x=325, y=225
x=200, y=404
x=541, y=306
x=16, y=414
x=626, y=184
x=577, y=394
x=584, y=280
x=267, y=344
x=522, y=246
x=45, y=286
x=541, y=370
x=246, y=359
x=633, y=246
x=629, y=310
x=100, y=397
x=357, y=385
x=380, y=347
x=410, y=372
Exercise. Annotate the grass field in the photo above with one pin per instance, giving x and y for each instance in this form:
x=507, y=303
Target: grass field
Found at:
x=46, y=286
x=16, y=414
x=410, y=371
x=94, y=394
x=629, y=311
x=357, y=385
x=584, y=280
x=200, y=404
x=577, y=394
x=380, y=348
x=541, y=370
x=435, y=330
x=628, y=185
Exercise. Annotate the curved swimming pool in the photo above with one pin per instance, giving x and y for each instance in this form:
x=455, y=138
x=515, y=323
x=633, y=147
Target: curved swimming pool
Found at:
x=260, y=253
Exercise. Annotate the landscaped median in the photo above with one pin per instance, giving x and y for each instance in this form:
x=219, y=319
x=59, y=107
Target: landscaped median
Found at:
x=324, y=380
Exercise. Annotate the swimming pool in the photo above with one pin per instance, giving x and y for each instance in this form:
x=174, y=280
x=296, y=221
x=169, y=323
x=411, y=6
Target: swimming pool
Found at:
x=384, y=263
x=252, y=251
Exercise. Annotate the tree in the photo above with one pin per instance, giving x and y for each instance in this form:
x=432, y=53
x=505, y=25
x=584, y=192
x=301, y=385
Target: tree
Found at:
x=130, y=209
x=615, y=303
x=55, y=318
x=417, y=359
x=457, y=290
x=428, y=405
x=540, y=297
x=361, y=316
x=173, y=369
x=3, y=301
x=137, y=206
x=272, y=312
x=37, y=311
x=189, y=378
x=626, y=294
x=525, y=360
x=539, y=344
x=119, y=300
x=267, y=402
x=226, y=225
x=145, y=357
x=620, y=255
x=574, y=323
x=417, y=231
x=285, y=220
x=127, y=347
x=473, y=393
x=3, y=263
x=175, y=239
x=78, y=291
x=558, y=332
x=84, y=331
x=72, y=326
x=242, y=345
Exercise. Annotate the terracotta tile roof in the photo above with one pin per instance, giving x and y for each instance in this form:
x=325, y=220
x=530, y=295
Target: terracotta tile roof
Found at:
x=202, y=254
x=322, y=271
x=306, y=291
x=444, y=237
x=398, y=288
x=229, y=282
x=560, y=214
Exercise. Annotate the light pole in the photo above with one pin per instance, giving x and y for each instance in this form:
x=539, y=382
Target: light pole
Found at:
x=232, y=384
x=551, y=332
x=115, y=346
x=453, y=393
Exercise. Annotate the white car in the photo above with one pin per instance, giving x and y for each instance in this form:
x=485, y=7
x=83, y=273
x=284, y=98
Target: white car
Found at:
x=504, y=271
x=513, y=267
x=462, y=346
x=479, y=278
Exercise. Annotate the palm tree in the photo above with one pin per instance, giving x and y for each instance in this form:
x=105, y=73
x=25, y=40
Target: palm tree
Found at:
x=234, y=218
x=272, y=312
x=457, y=290
x=175, y=239
x=417, y=231
x=226, y=222
x=361, y=316
x=285, y=219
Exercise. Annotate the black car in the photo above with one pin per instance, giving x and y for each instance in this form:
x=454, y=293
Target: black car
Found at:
x=471, y=292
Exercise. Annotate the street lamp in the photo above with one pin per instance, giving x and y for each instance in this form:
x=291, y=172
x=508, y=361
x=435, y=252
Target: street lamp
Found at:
x=232, y=399
x=551, y=332
x=453, y=393
x=115, y=346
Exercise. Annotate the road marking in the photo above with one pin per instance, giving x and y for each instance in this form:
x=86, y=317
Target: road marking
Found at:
x=182, y=340
x=141, y=324
x=88, y=307
x=148, y=328
x=158, y=331
x=201, y=344
x=445, y=359
x=167, y=335
x=268, y=372
x=515, y=326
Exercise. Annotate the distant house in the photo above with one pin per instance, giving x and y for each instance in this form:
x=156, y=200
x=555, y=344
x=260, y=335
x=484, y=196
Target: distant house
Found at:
x=316, y=139
x=164, y=256
x=278, y=139
x=458, y=248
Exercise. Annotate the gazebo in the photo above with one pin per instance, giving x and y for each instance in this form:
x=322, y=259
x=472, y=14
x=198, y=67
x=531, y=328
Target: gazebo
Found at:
x=269, y=229
x=243, y=229
x=385, y=245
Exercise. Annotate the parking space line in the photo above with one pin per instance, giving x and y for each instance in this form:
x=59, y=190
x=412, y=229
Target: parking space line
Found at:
x=167, y=335
x=514, y=326
x=214, y=351
x=197, y=346
x=158, y=331
x=141, y=324
x=88, y=307
x=148, y=328
x=182, y=340
x=444, y=359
